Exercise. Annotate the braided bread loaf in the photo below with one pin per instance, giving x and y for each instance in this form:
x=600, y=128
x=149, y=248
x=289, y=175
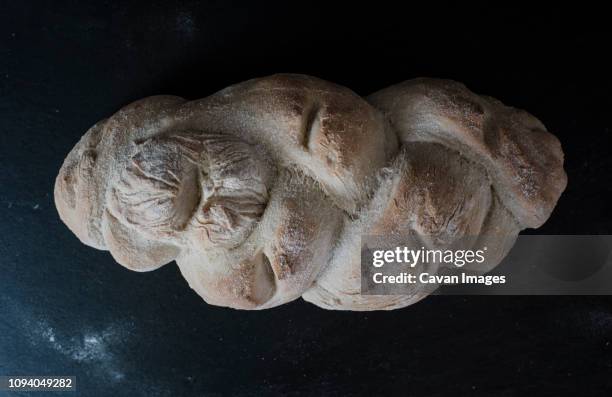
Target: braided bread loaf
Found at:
x=261, y=191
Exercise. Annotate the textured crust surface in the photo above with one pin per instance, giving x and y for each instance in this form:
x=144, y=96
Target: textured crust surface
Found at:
x=262, y=191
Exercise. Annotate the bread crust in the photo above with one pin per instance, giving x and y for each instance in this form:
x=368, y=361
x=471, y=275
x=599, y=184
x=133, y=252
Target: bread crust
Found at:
x=261, y=191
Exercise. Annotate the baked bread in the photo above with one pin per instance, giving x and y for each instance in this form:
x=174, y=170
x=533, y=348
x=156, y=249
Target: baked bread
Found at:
x=262, y=191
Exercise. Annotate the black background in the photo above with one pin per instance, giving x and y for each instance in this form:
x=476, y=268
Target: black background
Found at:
x=66, y=309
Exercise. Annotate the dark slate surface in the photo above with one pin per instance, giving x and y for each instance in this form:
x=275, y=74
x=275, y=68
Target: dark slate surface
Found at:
x=67, y=309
